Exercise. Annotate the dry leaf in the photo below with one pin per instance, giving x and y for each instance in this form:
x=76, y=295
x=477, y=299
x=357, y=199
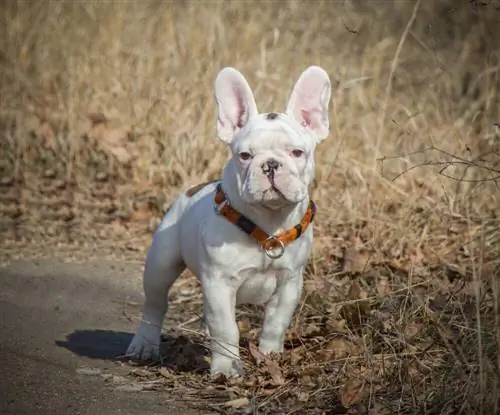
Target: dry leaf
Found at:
x=165, y=371
x=237, y=403
x=220, y=379
x=256, y=353
x=116, y=136
x=275, y=372
x=46, y=131
x=97, y=117
x=296, y=356
x=336, y=349
x=360, y=305
x=303, y=396
x=272, y=367
x=412, y=369
x=383, y=286
x=413, y=329
x=356, y=260
x=121, y=154
x=311, y=330
x=141, y=214
x=379, y=409
x=244, y=325
x=352, y=392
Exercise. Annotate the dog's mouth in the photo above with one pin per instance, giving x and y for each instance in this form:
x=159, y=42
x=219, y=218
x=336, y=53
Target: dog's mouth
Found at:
x=273, y=197
x=273, y=187
x=270, y=190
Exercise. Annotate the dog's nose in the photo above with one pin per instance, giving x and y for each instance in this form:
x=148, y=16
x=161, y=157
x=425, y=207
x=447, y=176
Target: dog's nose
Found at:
x=270, y=165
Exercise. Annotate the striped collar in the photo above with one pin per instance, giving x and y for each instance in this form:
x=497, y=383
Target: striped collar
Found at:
x=269, y=243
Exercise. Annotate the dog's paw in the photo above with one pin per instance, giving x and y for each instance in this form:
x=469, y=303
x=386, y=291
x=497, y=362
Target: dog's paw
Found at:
x=228, y=367
x=143, y=349
x=271, y=346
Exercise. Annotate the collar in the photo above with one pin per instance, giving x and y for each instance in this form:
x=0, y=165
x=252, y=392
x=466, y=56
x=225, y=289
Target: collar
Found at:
x=266, y=241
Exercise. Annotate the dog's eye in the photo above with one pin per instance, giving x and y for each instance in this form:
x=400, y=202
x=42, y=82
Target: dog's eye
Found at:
x=297, y=153
x=245, y=156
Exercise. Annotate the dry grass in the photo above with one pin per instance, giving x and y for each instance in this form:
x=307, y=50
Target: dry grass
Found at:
x=107, y=112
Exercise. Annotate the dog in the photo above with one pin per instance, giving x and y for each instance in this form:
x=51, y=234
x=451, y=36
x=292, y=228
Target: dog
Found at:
x=247, y=236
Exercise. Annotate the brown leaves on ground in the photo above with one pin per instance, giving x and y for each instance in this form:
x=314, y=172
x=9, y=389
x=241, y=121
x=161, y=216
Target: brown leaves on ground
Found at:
x=358, y=304
x=368, y=343
x=352, y=392
x=267, y=365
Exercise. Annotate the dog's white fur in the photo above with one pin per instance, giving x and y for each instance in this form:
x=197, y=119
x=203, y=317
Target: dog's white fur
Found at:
x=231, y=266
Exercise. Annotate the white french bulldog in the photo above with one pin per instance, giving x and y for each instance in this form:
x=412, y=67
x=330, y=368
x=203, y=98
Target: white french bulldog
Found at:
x=246, y=237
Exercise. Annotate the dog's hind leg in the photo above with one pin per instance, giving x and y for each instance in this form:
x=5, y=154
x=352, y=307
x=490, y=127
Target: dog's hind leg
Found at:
x=163, y=266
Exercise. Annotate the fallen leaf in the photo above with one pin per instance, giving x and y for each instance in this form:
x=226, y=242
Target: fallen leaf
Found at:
x=121, y=154
x=352, y=392
x=311, y=330
x=244, y=325
x=383, y=286
x=275, y=372
x=116, y=136
x=165, y=371
x=359, y=306
x=141, y=214
x=47, y=131
x=97, y=132
x=237, y=403
x=220, y=379
x=97, y=117
x=256, y=353
x=413, y=329
x=296, y=356
x=272, y=367
x=303, y=396
x=412, y=369
x=336, y=349
x=355, y=259
x=379, y=409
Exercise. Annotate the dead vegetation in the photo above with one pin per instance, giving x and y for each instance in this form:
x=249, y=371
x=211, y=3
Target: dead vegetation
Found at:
x=107, y=113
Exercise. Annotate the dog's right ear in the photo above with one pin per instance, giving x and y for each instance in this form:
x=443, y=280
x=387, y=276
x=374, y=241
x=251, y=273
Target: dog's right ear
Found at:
x=235, y=103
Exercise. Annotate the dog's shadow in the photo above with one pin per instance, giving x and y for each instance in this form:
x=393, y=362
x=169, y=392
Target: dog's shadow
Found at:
x=178, y=352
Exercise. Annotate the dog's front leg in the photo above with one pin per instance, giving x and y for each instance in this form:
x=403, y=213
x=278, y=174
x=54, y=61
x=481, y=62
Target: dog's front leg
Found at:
x=279, y=312
x=219, y=312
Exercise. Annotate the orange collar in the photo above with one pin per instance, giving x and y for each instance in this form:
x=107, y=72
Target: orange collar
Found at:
x=267, y=242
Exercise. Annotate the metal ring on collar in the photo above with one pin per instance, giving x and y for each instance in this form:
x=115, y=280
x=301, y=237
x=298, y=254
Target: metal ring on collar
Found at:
x=270, y=251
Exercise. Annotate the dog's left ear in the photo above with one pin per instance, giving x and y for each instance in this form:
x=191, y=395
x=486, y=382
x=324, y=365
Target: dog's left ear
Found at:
x=309, y=101
x=235, y=103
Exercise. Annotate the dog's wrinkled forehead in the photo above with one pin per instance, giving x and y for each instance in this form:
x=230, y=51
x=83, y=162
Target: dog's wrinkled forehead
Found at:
x=274, y=129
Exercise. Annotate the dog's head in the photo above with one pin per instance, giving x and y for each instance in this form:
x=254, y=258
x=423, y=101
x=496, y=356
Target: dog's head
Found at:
x=273, y=153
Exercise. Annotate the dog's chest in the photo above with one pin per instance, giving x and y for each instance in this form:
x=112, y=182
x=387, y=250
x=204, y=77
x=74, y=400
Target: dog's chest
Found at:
x=257, y=286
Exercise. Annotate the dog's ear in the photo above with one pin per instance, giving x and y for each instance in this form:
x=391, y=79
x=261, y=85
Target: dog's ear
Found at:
x=235, y=103
x=309, y=101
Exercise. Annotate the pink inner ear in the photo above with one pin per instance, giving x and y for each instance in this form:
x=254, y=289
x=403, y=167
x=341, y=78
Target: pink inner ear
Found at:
x=311, y=118
x=306, y=118
x=237, y=114
x=241, y=107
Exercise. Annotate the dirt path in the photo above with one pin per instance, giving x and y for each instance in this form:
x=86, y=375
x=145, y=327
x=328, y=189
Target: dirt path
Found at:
x=60, y=326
